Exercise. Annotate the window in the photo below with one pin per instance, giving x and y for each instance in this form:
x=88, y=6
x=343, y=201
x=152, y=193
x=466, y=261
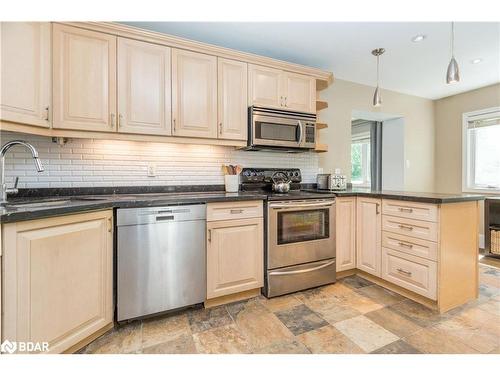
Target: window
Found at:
x=360, y=159
x=481, y=151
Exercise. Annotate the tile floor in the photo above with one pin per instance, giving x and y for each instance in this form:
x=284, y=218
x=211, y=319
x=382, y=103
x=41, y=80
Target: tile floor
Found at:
x=351, y=316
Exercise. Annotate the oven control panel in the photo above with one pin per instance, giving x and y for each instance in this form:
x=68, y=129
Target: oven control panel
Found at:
x=264, y=175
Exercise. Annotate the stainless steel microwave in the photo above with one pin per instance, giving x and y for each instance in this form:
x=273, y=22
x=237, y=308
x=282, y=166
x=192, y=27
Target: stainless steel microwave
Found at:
x=274, y=129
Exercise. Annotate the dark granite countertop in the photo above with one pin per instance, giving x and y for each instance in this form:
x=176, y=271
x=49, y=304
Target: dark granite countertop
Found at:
x=41, y=203
x=435, y=198
x=20, y=209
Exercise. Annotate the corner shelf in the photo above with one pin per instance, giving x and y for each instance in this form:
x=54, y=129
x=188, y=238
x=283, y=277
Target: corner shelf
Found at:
x=321, y=147
x=321, y=104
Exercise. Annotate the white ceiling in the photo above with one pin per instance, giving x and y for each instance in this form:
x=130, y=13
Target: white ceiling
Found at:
x=345, y=49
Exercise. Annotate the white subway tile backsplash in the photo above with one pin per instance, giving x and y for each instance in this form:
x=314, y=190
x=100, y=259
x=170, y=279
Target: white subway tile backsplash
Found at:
x=91, y=162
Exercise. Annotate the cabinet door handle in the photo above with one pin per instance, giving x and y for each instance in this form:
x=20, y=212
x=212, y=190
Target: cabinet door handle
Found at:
x=110, y=224
x=210, y=235
x=120, y=120
x=404, y=209
x=237, y=211
x=377, y=208
x=174, y=125
x=403, y=244
x=220, y=128
x=406, y=227
x=406, y=273
x=281, y=101
x=112, y=120
x=286, y=104
x=47, y=113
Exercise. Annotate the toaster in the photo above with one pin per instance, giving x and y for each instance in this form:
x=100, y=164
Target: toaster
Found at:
x=330, y=181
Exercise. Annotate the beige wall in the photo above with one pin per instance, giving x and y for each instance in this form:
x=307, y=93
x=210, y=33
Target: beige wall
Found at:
x=448, y=119
x=343, y=97
x=448, y=122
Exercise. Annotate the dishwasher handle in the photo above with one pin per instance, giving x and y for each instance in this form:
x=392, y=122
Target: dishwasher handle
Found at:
x=165, y=218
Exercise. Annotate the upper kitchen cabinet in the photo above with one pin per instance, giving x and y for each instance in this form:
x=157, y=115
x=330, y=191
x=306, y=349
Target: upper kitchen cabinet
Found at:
x=194, y=94
x=275, y=88
x=265, y=87
x=25, y=73
x=232, y=85
x=300, y=92
x=84, y=79
x=144, y=88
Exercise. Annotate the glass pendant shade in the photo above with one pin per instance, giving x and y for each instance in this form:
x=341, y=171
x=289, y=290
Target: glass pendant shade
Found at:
x=377, y=98
x=452, y=73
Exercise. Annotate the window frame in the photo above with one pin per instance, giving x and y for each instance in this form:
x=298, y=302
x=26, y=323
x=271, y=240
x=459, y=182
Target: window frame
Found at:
x=468, y=153
x=359, y=138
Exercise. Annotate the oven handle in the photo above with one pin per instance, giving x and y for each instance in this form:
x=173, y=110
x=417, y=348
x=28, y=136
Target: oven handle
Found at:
x=318, y=204
x=282, y=273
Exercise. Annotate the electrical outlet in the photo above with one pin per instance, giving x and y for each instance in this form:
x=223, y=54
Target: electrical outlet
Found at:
x=151, y=170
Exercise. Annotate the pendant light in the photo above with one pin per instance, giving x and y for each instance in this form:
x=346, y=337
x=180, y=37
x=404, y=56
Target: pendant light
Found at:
x=377, y=98
x=452, y=73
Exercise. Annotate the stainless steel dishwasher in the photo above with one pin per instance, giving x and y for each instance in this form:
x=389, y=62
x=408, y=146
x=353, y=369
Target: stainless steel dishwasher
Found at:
x=161, y=259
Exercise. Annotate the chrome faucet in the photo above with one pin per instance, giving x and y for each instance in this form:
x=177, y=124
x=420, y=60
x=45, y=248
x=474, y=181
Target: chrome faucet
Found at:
x=3, y=151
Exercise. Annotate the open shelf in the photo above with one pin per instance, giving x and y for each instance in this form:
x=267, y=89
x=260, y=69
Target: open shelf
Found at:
x=321, y=104
x=321, y=84
x=321, y=125
x=321, y=147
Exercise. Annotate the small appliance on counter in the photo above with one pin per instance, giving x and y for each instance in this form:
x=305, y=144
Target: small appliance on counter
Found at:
x=336, y=181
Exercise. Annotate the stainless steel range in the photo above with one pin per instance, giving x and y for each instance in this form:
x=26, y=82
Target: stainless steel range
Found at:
x=300, y=246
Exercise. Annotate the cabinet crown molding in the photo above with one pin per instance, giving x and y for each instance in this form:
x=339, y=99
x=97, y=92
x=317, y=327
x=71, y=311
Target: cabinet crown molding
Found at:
x=195, y=46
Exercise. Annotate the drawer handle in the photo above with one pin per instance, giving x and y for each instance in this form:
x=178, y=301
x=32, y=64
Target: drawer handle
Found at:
x=404, y=209
x=405, y=227
x=237, y=211
x=409, y=246
x=406, y=273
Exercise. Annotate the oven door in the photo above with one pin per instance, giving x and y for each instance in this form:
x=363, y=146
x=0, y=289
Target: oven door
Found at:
x=300, y=232
x=276, y=131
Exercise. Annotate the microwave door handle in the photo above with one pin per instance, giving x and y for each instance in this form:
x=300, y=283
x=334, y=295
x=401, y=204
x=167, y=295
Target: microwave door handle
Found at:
x=299, y=126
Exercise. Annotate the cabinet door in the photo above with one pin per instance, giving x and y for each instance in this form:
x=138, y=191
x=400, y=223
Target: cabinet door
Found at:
x=368, y=235
x=58, y=279
x=25, y=73
x=232, y=90
x=300, y=92
x=194, y=94
x=346, y=233
x=144, y=88
x=235, y=253
x=84, y=77
x=265, y=87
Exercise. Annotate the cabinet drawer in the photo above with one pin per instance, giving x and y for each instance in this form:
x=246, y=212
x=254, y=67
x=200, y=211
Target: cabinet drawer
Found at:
x=410, y=245
x=410, y=210
x=234, y=210
x=410, y=272
x=425, y=230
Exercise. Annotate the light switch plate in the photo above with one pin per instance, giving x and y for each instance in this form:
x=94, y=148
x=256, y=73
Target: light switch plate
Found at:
x=151, y=170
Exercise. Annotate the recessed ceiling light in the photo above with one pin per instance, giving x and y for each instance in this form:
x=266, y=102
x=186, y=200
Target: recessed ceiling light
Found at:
x=476, y=61
x=418, y=38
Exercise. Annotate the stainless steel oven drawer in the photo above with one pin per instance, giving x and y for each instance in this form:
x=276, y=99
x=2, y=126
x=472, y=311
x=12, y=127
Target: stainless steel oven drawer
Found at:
x=304, y=276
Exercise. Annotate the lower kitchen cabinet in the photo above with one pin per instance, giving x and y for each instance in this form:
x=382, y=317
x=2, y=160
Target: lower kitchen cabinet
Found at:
x=58, y=279
x=369, y=235
x=235, y=254
x=345, y=233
